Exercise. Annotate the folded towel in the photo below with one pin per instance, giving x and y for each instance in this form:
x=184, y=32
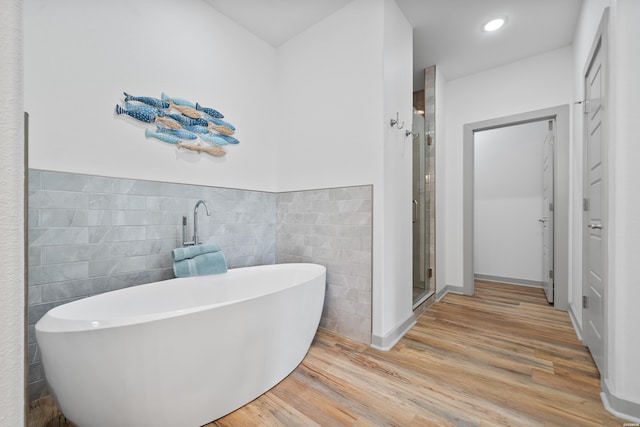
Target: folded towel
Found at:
x=193, y=251
x=201, y=265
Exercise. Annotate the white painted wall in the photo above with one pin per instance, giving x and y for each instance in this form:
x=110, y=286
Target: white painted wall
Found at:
x=534, y=83
x=623, y=294
x=622, y=373
x=508, y=201
x=393, y=300
x=80, y=56
x=330, y=101
x=339, y=83
x=12, y=369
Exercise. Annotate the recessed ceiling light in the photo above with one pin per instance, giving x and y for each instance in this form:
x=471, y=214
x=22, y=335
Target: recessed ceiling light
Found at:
x=494, y=24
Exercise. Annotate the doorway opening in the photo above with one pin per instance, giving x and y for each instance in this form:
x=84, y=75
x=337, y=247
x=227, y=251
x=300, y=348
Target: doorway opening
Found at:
x=513, y=190
x=560, y=204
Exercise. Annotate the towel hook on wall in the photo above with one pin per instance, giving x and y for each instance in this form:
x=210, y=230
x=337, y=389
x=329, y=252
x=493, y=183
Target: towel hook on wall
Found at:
x=394, y=122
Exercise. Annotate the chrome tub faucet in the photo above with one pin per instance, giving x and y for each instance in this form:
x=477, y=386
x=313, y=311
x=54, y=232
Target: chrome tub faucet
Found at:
x=195, y=240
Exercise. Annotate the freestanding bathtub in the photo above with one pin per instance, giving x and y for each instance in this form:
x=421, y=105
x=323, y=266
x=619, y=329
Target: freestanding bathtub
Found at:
x=181, y=352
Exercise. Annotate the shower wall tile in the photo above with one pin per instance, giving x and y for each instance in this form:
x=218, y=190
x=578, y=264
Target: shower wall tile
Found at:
x=58, y=199
x=332, y=227
x=89, y=234
x=63, y=254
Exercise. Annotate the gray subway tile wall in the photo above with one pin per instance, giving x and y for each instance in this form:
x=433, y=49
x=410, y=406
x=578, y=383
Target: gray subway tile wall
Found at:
x=332, y=227
x=89, y=234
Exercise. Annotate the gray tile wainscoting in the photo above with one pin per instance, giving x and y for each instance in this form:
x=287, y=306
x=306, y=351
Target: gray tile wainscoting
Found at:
x=90, y=234
x=332, y=227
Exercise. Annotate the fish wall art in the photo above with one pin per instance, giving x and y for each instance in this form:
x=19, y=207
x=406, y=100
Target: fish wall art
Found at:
x=176, y=120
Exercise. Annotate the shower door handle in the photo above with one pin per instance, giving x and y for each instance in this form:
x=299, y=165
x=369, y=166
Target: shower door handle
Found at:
x=415, y=211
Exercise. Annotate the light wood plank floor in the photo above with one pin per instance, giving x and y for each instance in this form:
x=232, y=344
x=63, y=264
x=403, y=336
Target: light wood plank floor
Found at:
x=503, y=357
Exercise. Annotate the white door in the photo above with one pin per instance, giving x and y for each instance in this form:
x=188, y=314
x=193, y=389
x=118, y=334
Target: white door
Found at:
x=547, y=213
x=593, y=281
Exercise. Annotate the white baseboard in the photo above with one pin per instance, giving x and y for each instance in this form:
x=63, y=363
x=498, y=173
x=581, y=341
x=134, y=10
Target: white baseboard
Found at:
x=621, y=408
x=441, y=293
x=575, y=323
x=386, y=343
x=509, y=280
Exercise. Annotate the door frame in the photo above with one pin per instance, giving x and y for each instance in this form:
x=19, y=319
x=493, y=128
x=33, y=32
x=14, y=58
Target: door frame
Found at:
x=560, y=195
x=548, y=227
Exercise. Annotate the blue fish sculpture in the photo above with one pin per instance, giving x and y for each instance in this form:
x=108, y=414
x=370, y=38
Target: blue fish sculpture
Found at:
x=144, y=108
x=214, y=139
x=154, y=102
x=138, y=115
x=229, y=139
x=182, y=134
x=210, y=111
x=184, y=119
x=177, y=101
x=196, y=129
x=171, y=139
x=222, y=123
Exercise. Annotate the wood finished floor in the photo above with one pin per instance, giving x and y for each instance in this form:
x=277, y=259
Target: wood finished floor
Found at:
x=503, y=357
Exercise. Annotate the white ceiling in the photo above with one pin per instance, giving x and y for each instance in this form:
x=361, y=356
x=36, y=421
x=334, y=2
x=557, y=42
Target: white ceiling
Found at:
x=276, y=21
x=447, y=33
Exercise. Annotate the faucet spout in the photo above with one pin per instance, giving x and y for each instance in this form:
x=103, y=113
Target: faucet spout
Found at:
x=195, y=220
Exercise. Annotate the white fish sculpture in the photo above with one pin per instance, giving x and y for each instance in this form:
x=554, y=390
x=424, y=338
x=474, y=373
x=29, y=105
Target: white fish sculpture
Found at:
x=187, y=111
x=213, y=150
x=168, y=122
x=221, y=129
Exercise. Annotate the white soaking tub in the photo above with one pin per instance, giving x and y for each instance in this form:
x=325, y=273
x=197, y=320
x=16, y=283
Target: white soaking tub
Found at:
x=181, y=352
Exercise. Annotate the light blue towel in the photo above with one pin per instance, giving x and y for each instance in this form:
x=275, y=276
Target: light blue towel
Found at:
x=193, y=251
x=201, y=265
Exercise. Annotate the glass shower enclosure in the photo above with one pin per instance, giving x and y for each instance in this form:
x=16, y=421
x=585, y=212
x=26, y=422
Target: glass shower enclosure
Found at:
x=423, y=203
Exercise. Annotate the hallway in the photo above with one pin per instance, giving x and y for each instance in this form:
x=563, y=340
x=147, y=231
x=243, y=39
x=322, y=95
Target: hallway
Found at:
x=502, y=357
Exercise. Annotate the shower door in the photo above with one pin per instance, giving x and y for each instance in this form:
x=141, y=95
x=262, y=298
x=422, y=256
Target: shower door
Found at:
x=423, y=134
